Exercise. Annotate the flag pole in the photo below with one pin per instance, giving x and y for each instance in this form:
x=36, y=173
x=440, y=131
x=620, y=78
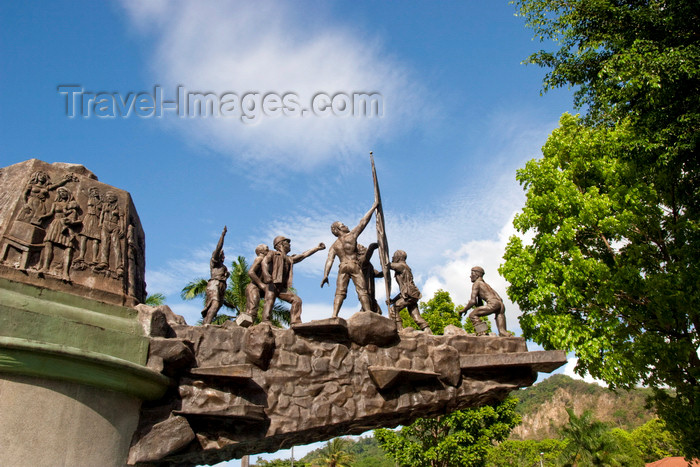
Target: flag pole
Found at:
x=383, y=243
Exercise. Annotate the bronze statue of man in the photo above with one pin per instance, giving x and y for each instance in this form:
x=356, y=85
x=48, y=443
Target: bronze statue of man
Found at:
x=482, y=292
x=277, y=274
x=256, y=288
x=369, y=273
x=345, y=248
x=216, y=287
x=408, y=292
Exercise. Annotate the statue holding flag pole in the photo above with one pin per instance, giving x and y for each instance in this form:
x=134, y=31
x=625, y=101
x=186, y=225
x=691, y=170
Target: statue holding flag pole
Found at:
x=345, y=248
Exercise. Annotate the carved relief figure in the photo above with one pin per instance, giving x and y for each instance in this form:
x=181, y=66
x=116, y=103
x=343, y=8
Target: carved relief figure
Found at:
x=482, y=292
x=277, y=274
x=136, y=285
x=61, y=230
x=111, y=220
x=216, y=287
x=91, y=232
x=369, y=273
x=345, y=248
x=409, y=293
x=256, y=288
x=36, y=194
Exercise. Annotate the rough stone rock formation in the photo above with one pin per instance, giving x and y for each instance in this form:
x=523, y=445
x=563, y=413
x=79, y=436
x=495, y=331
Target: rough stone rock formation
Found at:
x=60, y=228
x=240, y=391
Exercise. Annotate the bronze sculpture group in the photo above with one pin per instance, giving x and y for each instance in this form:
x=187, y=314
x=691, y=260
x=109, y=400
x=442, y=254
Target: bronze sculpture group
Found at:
x=272, y=271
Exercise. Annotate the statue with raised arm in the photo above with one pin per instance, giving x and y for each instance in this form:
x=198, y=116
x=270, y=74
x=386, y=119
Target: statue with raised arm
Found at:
x=345, y=248
x=277, y=274
x=369, y=274
x=482, y=292
x=256, y=287
x=408, y=291
x=216, y=287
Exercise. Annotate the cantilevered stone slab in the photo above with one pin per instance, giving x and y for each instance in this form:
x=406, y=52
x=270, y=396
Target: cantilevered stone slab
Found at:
x=330, y=328
x=385, y=377
x=543, y=360
x=242, y=371
x=235, y=412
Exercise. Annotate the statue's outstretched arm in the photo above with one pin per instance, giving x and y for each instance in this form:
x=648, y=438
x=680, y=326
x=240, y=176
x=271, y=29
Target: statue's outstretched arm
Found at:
x=364, y=221
x=307, y=253
x=220, y=245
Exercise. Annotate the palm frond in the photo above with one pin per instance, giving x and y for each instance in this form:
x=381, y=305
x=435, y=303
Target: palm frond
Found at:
x=155, y=299
x=194, y=289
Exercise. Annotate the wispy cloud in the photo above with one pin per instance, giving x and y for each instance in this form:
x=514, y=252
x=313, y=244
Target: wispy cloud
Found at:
x=170, y=279
x=270, y=46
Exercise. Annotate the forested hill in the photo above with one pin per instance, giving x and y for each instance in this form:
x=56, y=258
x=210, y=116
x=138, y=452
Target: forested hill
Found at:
x=543, y=406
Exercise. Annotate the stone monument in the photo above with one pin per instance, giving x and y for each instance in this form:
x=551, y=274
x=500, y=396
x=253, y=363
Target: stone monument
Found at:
x=60, y=228
x=72, y=349
x=89, y=376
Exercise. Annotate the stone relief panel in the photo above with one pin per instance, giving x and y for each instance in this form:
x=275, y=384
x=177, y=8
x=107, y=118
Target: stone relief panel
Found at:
x=63, y=229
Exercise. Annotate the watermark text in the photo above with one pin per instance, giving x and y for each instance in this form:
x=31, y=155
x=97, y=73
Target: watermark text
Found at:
x=249, y=107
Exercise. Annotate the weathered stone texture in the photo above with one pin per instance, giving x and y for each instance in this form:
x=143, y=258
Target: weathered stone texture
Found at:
x=303, y=389
x=164, y=438
x=371, y=328
x=60, y=228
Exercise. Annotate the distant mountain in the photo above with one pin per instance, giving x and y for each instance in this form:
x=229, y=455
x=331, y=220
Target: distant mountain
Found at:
x=543, y=406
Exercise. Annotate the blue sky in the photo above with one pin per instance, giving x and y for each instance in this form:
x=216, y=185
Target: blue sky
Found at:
x=460, y=115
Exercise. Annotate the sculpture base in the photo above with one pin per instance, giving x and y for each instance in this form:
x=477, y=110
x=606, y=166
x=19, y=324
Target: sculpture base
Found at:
x=47, y=422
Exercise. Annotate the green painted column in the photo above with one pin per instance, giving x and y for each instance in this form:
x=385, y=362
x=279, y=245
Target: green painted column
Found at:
x=72, y=378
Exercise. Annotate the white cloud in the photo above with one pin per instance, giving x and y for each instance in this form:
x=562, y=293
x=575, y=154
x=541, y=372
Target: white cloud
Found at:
x=453, y=275
x=169, y=280
x=270, y=46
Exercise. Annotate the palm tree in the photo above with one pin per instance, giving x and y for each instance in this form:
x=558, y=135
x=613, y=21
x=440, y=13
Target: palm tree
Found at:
x=589, y=442
x=334, y=454
x=155, y=299
x=234, y=296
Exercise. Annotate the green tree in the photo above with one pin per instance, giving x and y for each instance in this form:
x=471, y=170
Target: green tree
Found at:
x=334, y=454
x=654, y=441
x=279, y=463
x=462, y=438
x=526, y=453
x=234, y=296
x=590, y=442
x=614, y=204
x=155, y=299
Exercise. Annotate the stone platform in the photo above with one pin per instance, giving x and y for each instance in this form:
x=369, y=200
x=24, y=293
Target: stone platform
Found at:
x=259, y=389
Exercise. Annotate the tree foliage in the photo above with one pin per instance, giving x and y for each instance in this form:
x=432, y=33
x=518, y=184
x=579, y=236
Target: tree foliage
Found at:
x=155, y=299
x=612, y=270
x=526, y=453
x=462, y=438
x=438, y=312
x=335, y=453
x=654, y=441
x=590, y=442
x=365, y=451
